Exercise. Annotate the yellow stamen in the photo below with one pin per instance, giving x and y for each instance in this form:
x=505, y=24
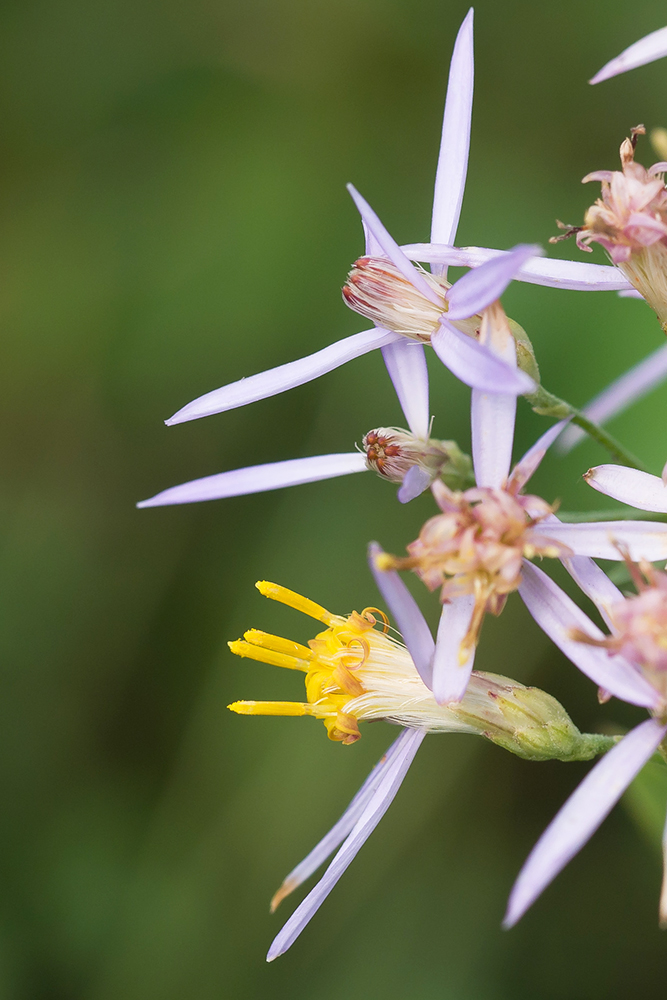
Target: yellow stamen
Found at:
x=279, y=645
x=296, y=601
x=269, y=708
x=269, y=656
x=384, y=561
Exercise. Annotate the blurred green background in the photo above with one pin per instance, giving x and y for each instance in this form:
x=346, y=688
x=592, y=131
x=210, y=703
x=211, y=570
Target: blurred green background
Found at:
x=173, y=216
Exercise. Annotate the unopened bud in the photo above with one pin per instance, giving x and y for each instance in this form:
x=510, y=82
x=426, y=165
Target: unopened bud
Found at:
x=527, y=721
x=392, y=451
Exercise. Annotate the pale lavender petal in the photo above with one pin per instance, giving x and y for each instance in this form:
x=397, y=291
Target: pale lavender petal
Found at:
x=373, y=248
x=630, y=293
x=391, y=248
x=260, y=478
x=614, y=539
x=406, y=364
x=595, y=584
x=646, y=50
x=384, y=795
x=571, y=274
x=631, y=486
x=582, y=814
x=657, y=168
x=450, y=177
x=415, y=481
x=476, y=365
x=492, y=418
x=629, y=388
x=558, y=615
x=270, y=383
x=484, y=284
x=528, y=465
x=450, y=675
x=405, y=611
x=343, y=827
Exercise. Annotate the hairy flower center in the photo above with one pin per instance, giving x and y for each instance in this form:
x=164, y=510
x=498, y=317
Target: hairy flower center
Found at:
x=376, y=289
x=477, y=545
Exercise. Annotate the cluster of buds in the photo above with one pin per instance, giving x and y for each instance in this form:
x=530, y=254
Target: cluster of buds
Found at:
x=630, y=222
x=392, y=451
x=356, y=673
x=477, y=546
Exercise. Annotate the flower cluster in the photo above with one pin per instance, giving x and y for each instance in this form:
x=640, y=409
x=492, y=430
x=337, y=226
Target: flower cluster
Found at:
x=486, y=532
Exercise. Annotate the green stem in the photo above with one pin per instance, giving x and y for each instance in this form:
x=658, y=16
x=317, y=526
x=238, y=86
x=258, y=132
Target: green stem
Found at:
x=584, y=516
x=548, y=405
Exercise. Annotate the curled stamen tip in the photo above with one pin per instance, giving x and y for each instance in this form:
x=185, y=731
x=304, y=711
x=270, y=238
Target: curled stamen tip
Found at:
x=288, y=887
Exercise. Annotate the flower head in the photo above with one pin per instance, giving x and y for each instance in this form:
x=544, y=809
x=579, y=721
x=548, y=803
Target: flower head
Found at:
x=630, y=222
x=477, y=546
x=392, y=452
x=377, y=289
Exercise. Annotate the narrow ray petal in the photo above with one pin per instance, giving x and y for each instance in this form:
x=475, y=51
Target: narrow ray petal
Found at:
x=406, y=364
x=384, y=795
x=492, y=418
x=450, y=675
x=270, y=383
x=558, y=615
x=529, y=464
x=582, y=814
x=571, y=274
x=390, y=247
x=260, y=478
x=631, y=486
x=343, y=827
x=631, y=293
x=450, y=177
x=414, y=483
x=605, y=539
x=629, y=388
x=476, y=365
x=484, y=284
x=410, y=622
x=595, y=584
x=646, y=50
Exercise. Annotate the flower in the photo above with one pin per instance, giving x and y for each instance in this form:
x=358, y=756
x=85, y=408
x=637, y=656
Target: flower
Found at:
x=356, y=673
x=630, y=222
x=646, y=50
x=404, y=358
x=630, y=663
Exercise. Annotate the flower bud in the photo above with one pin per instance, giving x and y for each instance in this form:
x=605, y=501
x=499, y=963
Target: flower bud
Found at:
x=391, y=451
x=527, y=721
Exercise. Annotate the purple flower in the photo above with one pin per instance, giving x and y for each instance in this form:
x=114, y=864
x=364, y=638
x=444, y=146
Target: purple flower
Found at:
x=629, y=663
x=404, y=354
x=356, y=673
x=646, y=50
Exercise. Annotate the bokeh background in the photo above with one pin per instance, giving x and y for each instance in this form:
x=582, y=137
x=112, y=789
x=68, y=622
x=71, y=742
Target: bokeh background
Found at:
x=173, y=216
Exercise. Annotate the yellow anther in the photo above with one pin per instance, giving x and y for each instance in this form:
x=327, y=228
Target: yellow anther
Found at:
x=279, y=645
x=269, y=708
x=296, y=601
x=384, y=561
x=269, y=656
